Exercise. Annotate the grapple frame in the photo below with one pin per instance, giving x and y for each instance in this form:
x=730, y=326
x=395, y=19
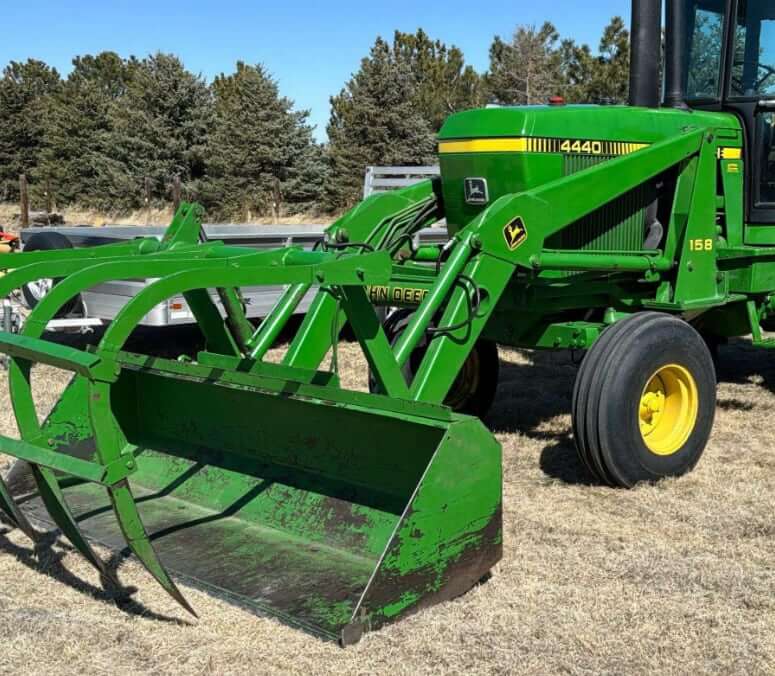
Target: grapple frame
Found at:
x=327, y=527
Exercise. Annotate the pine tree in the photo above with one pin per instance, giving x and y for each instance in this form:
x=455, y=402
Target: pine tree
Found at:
x=577, y=67
x=25, y=89
x=603, y=78
x=527, y=69
x=610, y=81
x=443, y=83
x=78, y=132
x=375, y=121
x=157, y=129
x=262, y=157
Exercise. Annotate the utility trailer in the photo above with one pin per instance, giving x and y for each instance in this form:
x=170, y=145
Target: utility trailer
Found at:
x=101, y=304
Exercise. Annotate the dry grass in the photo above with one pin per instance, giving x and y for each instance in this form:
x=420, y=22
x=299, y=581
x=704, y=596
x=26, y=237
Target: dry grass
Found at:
x=673, y=578
x=9, y=217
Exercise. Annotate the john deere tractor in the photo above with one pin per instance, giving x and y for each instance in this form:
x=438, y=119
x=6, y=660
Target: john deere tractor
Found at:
x=643, y=235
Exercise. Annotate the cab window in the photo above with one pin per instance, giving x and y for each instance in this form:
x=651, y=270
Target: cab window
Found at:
x=706, y=41
x=765, y=183
x=753, y=66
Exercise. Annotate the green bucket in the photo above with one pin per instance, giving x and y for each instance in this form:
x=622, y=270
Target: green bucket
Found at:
x=334, y=511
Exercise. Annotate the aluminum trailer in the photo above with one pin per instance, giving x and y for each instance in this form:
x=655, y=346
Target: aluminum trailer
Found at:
x=103, y=302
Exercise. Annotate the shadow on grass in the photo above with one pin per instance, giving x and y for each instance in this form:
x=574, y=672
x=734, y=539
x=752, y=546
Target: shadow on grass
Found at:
x=43, y=558
x=740, y=363
x=533, y=393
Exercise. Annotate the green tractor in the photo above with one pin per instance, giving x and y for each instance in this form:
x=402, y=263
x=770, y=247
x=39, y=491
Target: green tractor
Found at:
x=644, y=235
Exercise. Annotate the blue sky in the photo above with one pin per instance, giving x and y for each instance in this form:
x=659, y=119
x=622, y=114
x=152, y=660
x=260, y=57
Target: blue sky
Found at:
x=311, y=48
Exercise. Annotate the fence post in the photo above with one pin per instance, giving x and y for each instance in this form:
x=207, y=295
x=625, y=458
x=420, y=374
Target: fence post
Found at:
x=24, y=201
x=176, y=192
x=49, y=198
x=277, y=199
x=147, y=190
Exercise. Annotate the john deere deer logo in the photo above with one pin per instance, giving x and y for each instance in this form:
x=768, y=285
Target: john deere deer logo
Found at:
x=476, y=191
x=515, y=233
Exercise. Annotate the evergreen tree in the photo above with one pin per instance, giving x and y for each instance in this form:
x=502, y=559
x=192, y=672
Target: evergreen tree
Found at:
x=603, y=78
x=25, y=89
x=375, y=121
x=443, y=82
x=78, y=135
x=157, y=129
x=261, y=155
x=611, y=74
x=577, y=67
x=528, y=69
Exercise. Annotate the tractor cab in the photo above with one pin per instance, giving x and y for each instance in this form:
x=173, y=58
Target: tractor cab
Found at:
x=728, y=48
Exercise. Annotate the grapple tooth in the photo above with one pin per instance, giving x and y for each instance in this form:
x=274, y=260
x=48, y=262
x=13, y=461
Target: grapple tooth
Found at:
x=14, y=514
x=137, y=538
x=54, y=500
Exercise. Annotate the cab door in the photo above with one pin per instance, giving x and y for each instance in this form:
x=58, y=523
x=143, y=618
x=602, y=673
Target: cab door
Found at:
x=750, y=93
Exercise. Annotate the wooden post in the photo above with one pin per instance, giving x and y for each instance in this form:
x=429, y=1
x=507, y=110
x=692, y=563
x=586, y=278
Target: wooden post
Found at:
x=49, y=198
x=277, y=198
x=176, y=192
x=147, y=189
x=24, y=201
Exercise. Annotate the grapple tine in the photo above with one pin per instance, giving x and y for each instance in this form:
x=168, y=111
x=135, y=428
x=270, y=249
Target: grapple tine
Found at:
x=14, y=514
x=54, y=500
x=137, y=538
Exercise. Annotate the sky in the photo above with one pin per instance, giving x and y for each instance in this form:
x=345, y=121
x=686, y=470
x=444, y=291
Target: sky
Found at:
x=311, y=48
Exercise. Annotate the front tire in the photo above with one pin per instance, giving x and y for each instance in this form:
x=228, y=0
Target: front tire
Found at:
x=644, y=400
x=474, y=388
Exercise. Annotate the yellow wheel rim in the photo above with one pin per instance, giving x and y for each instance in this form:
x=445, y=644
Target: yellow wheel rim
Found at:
x=668, y=409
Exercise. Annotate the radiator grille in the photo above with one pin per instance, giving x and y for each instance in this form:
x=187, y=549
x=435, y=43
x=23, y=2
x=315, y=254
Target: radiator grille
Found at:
x=618, y=226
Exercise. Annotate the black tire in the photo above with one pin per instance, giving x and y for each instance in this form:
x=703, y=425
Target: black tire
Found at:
x=580, y=400
x=651, y=357
x=714, y=343
x=768, y=324
x=34, y=291
x=473, y=390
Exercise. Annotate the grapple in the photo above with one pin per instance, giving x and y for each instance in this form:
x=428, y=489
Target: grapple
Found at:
x=266, y=483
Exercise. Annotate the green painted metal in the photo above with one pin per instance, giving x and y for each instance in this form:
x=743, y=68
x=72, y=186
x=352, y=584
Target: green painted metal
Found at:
x=339, y=511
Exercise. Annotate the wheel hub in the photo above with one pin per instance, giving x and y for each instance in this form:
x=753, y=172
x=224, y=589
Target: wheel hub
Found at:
x=40, y=288
x=668, y=409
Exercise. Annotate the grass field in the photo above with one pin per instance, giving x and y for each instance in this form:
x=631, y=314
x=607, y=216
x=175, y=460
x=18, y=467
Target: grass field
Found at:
x=671, y=578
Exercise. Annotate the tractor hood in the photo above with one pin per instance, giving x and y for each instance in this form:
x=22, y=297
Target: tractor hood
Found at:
x=487, y=153
x=620, y=123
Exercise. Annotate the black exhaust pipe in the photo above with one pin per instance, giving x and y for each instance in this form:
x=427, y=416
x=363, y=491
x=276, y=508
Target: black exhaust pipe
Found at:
x=645, y=41
x=675, y=53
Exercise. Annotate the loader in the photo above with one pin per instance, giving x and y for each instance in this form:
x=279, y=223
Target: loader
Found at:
x=642, y=236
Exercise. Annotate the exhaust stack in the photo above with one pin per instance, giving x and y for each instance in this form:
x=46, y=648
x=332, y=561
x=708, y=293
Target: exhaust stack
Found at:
x=646, y=40
x=675, y=53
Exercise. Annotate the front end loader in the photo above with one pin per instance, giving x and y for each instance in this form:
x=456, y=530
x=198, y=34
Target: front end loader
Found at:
x=638, y=234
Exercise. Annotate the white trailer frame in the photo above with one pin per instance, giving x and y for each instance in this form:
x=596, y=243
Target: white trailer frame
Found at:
x=102, y=303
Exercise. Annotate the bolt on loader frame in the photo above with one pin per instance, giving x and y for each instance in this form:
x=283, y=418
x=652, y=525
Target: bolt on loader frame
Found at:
x=623, y=231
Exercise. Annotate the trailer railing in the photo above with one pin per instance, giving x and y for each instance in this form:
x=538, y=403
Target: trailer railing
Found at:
x=382, y=179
